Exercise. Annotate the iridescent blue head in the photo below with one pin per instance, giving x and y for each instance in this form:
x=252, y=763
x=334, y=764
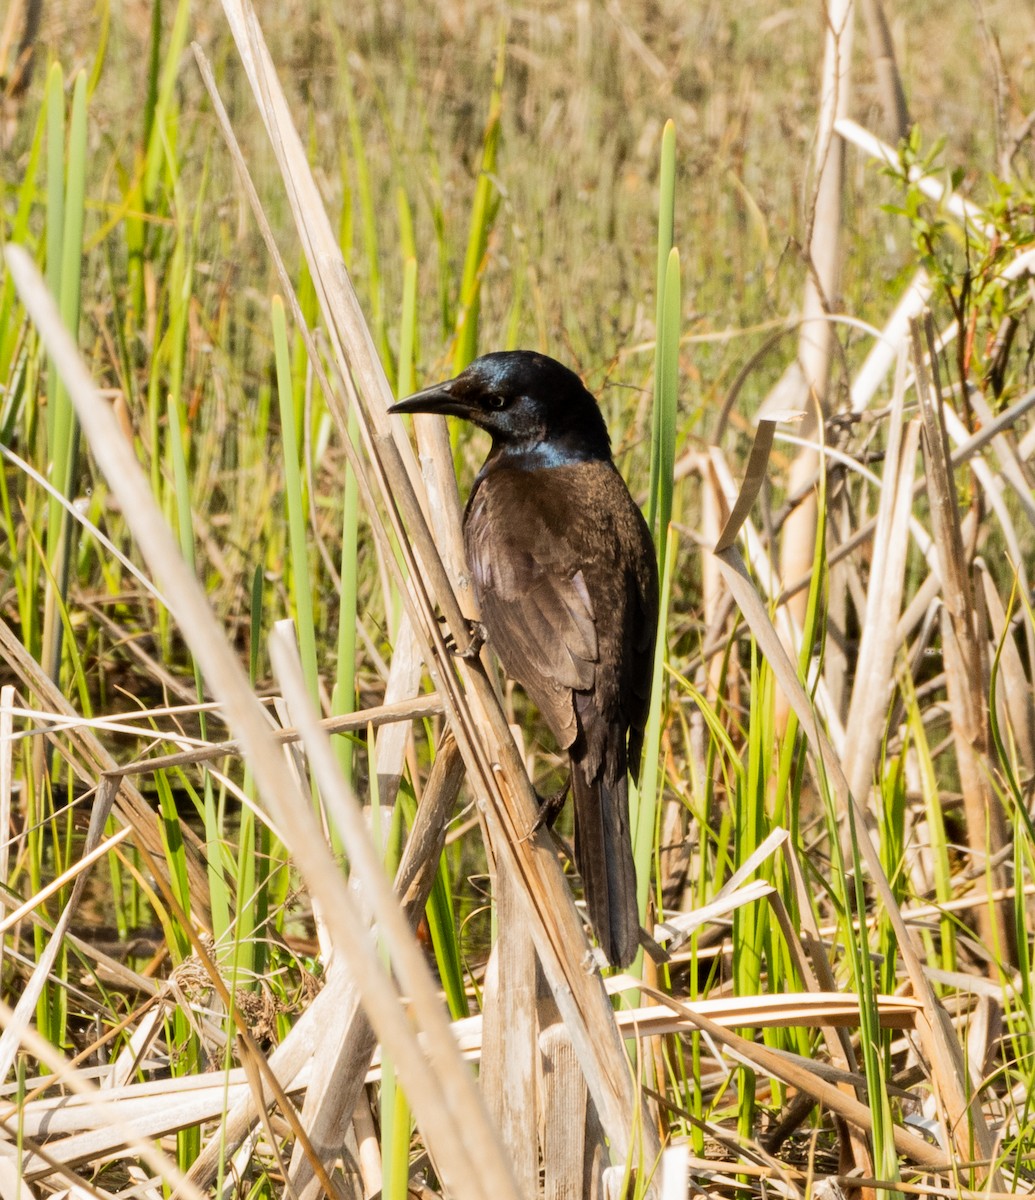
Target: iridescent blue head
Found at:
x=534, y=407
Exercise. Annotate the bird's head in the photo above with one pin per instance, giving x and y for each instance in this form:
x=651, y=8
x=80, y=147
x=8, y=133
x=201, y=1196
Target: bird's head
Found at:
x=524, y=400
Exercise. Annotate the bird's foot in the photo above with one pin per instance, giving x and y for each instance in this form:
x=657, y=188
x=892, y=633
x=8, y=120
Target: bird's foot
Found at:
x=550, y=807
x=478, y=638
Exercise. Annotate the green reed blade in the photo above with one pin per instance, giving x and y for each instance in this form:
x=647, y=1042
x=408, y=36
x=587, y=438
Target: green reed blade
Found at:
x=294, y=491
x=663, y=353
x=483, y=216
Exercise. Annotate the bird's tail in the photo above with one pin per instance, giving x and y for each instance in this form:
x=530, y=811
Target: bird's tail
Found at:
x=603, y=855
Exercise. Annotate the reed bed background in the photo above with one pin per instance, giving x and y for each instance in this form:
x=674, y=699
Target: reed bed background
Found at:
x=791, y=251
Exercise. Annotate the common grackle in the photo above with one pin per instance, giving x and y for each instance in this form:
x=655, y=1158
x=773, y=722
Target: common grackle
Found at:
x=565, y=575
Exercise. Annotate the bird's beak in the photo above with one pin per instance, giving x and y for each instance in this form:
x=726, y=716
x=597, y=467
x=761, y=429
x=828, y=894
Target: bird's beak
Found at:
x=436, y=399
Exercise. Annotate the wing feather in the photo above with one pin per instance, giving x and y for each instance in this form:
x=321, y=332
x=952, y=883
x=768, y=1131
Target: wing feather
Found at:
x=569, y=596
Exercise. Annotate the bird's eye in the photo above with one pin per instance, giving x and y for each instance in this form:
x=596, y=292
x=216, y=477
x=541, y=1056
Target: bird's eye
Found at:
x=495, y=401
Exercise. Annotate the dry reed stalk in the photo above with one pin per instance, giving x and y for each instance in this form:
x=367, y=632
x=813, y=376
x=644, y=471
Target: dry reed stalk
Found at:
x=809, y=1079
x=878, y=645
x=966, y=212
x=404, y=676
x=465, y=1146
x=889, y=81
x=444, y=510
x=1014, y=697
x=416, y=708
x=90, y=761
x=337, y=1007
x=816, y=335
x=958, y=1106
x=342, y=1065
x=493, y=763
x=567, y=1167
x=340, y=1070
x=964, y=650
x=510, y=1049
x=429, y=1066
x=16, y=1025
x=39, y=1164
x=370, y=1181
x=510, y=1055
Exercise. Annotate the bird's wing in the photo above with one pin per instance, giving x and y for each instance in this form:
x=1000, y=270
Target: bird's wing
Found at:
x=538, y=611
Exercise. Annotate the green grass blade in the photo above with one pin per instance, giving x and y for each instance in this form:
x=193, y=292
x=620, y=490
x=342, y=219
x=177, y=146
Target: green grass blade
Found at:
x=663, y=449
x=666, y=227
x=874, y=1042
x=175, y=854
x=63, y=426
x=368, y=217
x=10, y=334
x=483, y=216
x=173, y=348
x=645, y=796
x=164, y=98
x=55, y=181
x=70, y=293
x=440, y=914
x=102, y=25
x=343, y=696
x=441, y=917
x=294, y=489
x=395, y=1135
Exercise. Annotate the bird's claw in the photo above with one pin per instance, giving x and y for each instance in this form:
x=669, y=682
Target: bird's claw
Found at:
x=550, y=807
x=478, y=638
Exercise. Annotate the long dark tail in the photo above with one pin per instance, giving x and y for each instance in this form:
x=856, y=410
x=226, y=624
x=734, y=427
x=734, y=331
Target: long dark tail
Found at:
x=603, y=855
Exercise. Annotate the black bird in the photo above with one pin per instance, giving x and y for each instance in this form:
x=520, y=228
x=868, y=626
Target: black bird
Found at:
x=566, y=578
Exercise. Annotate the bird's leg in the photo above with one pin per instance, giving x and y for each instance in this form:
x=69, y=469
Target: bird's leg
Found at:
x=550, y=807
x=478, y=636
x=478, y=639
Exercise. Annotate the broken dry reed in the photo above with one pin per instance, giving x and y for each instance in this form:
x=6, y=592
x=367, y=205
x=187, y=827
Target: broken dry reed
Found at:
x=469, y=1161
x=475, y=711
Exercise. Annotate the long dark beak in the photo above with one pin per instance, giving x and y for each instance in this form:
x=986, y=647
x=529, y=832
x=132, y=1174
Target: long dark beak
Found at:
x=435, y=399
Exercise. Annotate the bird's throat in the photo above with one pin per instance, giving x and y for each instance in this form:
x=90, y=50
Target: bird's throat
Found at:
x=541, y=455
